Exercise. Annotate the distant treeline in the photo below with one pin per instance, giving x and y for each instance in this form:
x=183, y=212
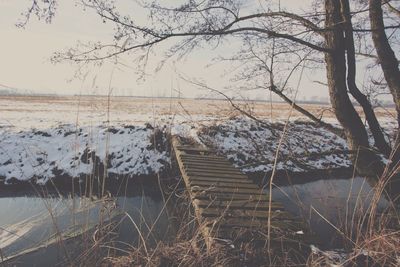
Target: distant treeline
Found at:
x=13, y=92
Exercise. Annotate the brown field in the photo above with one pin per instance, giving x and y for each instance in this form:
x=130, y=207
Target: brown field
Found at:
x=45, y=111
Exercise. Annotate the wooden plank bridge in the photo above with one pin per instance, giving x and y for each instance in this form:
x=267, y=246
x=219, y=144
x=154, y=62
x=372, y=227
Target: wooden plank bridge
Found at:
x=228, y=205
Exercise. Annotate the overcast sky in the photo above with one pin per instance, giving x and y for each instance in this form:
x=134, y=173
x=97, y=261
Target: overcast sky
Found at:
x=25, y=53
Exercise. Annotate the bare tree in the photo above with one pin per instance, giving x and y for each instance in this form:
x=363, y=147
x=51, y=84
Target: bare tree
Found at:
x=362, y=99
x=269, y=64
x=388, y=62
x=42, y=9
x=326, y=30
x=385, y=54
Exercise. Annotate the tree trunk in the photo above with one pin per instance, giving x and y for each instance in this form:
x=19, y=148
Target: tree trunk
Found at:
x=387, y=58
x=376, y=130
x=308, y=114
x=366, y=162
x=390, y=68
x=389, y=64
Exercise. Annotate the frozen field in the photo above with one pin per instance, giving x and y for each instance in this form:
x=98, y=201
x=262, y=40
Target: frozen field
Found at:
x=41, y=112
x=45, y=137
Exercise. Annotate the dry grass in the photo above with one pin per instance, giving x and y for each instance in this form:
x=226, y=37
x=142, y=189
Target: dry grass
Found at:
x=188, y=247
x=163, y=106
x=371, y=233
x=377, y=238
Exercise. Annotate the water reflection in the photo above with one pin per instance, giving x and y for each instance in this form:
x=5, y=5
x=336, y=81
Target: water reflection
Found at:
x=35, y=225
x=28, y=222
x=328, y=204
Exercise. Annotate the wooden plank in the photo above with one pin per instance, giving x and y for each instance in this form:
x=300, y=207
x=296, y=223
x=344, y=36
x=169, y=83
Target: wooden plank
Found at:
x=227, y=201
x=194, y=149
x=264, y=203
x=226, y=190
x=217, y=213
x=223, y=184
x=227, y=170
x=203, y=157
x=210, y=167
x=229, y=196
x=218, y=173
x=217, y=163
x=213, y=165
x=278, y=227
x=195, y=152
x=255, y=235
x=220, y=179
x=211, y=174
x=207, y=162
x=226, y=204
x=282, y=225
x=182, y=147
x=259, y=215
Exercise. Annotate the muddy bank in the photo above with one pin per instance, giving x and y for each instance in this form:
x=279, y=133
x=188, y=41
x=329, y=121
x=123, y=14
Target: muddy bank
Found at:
x=287, y=178
x=86, y=186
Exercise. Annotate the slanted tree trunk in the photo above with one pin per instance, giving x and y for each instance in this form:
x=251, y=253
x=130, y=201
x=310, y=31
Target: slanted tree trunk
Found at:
x=389, y=65
x=366, y=161
x=308, y=114
x=375, y=128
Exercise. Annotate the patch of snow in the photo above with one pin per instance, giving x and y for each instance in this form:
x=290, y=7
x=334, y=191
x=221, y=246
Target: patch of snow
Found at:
x=44, y=139
x=252, y=146
x=71, y=150
x=332, y=258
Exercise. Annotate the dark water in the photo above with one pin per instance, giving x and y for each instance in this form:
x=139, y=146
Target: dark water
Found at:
x=332, y=207
x=28, y=222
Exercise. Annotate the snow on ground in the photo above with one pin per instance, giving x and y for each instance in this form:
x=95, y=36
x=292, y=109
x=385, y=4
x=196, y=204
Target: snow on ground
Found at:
x=69, y=150
x=129, y=149
x=252, y=146
x=46, y=137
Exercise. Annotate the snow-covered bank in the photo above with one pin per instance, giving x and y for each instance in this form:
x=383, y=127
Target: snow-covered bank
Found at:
x=141, y=149
x=69, y=150
x=252, y=146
